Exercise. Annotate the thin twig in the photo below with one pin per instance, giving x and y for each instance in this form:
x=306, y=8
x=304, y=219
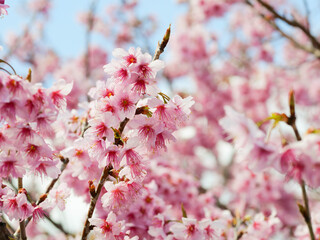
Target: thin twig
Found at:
x=5, y=62
x=4, y=231
x=223, y=206
x=85, y=127
x=5, y=70
x=65, y=162
x=7, y=225
x=308, y=49
x=60, y=227
x=22, y=225
x=103, y=178
x=292, y=23
x=163, y=44
x=305, y=211
x=93, y=201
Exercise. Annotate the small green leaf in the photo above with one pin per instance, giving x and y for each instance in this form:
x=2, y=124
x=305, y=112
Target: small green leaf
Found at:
x=303, y=212
x=28, y=78
x=277, y=117
x=117, y=134
x=291, y=103
x=184, y=213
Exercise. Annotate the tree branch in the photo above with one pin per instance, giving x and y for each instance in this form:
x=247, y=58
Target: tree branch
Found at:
x=308, y=49
x=94, y=199
x=117, y=141
x=5, y=62
x=304, y=210
x=163, y=44
x=4, y=231
x=292, y=23
x=22, y=225
x=65, y=162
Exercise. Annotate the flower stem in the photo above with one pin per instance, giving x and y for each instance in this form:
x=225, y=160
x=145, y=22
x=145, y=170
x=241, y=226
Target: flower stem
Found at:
x=5, y=230
x=94, y=199
x=22, y=225
x=306, y=214
x=65, y=162
x=163, y=44
x=305, y=210
x=5, y=62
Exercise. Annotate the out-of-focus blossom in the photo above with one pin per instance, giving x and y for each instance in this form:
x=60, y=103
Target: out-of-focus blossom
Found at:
x=3, y=8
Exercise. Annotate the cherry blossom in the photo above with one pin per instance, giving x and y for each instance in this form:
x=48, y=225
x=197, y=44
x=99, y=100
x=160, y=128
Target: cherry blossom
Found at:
x=3, y=8
x=202, y=144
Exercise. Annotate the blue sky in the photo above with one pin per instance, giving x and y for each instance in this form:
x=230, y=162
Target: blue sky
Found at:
x=67, y=36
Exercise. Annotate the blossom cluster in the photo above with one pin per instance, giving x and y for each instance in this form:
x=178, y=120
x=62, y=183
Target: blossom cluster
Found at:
x=28, y=112
x=145, y=166
x=241, y=84
x=297, y=160
x=129, y=122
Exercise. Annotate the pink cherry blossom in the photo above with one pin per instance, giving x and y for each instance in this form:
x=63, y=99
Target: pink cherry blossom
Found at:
x=212, y=132
x=38, y=213
x=10, y=206
x=101, y=126
x=25, y=208
x=115, y=198
x=59, y=196
x=125, y=103
x=188, y=229
x=110, y=228
x=129, y=57
x=147, y=68
x=11, y=165
x=119, y=71
x=58, y=93
x=112, y=155
x=3, y=8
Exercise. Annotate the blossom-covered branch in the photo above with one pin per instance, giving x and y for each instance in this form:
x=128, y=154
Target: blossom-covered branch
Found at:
x=43, y=197
x=151, y=164
x=135, y=70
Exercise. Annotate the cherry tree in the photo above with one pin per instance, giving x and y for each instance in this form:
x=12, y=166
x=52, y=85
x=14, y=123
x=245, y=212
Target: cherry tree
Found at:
x=227, y=150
